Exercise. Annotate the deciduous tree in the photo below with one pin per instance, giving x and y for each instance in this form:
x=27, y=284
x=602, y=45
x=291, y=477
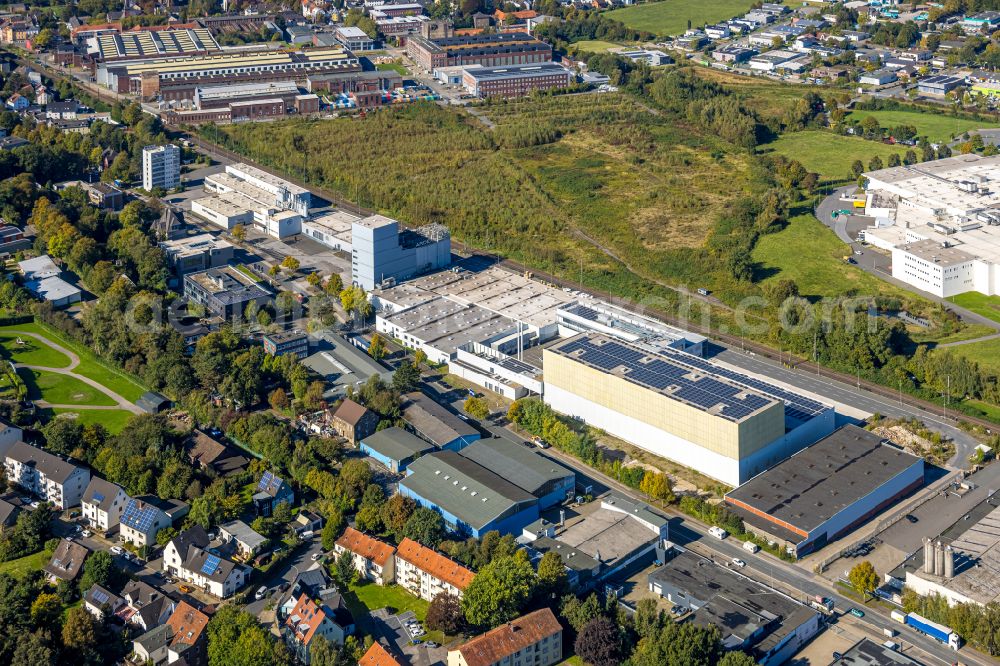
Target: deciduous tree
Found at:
x=599, y=643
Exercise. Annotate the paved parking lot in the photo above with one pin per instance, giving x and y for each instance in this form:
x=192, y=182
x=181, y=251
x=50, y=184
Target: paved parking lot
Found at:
x=392, y=629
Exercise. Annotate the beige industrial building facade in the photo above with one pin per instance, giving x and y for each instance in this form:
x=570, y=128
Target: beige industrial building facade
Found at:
x=710, y=422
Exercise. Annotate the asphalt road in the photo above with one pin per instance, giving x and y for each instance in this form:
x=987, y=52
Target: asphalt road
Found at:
x=850, y=395
x=286, y=573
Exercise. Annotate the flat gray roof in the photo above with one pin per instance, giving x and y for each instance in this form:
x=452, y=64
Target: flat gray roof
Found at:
x=869, y=653
x=471, y=493
x=525, y=468
x=737, y=605
x=821, y=480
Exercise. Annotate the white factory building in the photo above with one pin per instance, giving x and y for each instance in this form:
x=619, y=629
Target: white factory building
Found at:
x=941, y=221
x=246, y=195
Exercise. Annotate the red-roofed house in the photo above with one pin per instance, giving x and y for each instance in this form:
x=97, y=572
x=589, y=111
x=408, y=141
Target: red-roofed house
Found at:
x=426, y=573
x=377, y=655
x=372, y=558
x=307, y=621
x=534, y=639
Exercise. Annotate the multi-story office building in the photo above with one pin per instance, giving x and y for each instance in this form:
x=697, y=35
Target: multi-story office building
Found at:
x=225, y=292
x=515, y=80
x=197, y=253
x=161, y=167
x=496, y=50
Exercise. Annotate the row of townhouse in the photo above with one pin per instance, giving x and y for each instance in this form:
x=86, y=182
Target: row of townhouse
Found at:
x=420, y=570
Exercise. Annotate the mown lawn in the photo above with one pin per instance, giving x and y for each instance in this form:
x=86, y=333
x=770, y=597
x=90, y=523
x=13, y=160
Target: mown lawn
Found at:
x=986, y=353
x=61, y=389
x=595, y=45
x=112, y=419
x=830, y=155
x=809, y=253
x=366, y=596
x=90, y=366
x=986, y=306
x=937, y=127
x=31, y=352
x=394, y=66
x=671, y=17
x=25, y=565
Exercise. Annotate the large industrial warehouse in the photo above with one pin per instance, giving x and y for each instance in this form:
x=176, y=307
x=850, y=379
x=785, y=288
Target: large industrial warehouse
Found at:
x=827, y=489
x=724, y=424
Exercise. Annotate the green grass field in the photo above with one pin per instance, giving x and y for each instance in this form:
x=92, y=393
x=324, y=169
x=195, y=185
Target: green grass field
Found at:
x=90, y=366
x=936, y=127
x=24, y=565
x=986, y=353
x=671, y=17
x=394, y=66
x=595, y=45
x=828, y=154
x=809, y=253
x=113, y=420
x=61, y=389
x=32, y=352
x=366, y=597
x=987, y=306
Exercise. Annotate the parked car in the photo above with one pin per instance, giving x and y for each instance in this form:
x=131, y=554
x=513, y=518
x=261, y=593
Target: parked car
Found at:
x=261, y=592
x=87, y=533
x=117, y=550
x=316, y=556
x=913, y=519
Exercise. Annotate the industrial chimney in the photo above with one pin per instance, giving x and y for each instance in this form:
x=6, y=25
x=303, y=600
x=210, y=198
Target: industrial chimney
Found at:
x=949, y=562
x=928, y=555
x=939, y=559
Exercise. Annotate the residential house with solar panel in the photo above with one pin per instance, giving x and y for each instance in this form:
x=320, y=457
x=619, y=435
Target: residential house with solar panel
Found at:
x=145, y=516
x=271, y=491
x=47, y=476
x=101, y=602
x=103, y=503
x=187, y=557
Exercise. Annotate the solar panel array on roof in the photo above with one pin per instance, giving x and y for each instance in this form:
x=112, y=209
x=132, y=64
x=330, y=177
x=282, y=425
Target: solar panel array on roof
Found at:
x=139, y=517
x=689, y=378
x=100, y=596
x=98, y=497
x=210, y=565
x=267, y=480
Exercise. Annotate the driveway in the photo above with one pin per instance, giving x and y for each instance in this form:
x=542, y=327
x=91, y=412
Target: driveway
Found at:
x=286, y=572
